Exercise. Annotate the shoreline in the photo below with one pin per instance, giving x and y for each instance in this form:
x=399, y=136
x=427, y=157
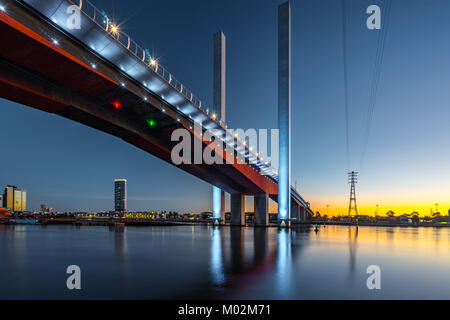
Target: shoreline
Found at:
x=177, y=222
x=398, y=224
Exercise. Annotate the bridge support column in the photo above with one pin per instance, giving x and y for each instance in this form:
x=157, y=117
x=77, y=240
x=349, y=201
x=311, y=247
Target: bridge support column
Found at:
x=295, y=211
x=222, y=206
x=218, y=205
x=237, y=209
x=284, y=112
x=261, y=208
x=302, y=217
x=219, y=75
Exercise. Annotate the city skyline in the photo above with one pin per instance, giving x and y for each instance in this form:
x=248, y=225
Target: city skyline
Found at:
x=380, y=210
x=396, y=174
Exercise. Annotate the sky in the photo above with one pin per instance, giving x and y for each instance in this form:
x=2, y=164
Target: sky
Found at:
x=71, y=167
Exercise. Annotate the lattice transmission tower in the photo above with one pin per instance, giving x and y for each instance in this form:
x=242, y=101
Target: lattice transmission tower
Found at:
x=352, y=179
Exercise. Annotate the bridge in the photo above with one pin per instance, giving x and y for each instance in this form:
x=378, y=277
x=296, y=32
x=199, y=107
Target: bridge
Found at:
x=98, y=76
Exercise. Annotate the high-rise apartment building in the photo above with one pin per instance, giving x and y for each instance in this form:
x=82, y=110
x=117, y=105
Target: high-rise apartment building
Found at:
x=24, y=200
x=8, y=201
x=120, y=195
x=15, y=199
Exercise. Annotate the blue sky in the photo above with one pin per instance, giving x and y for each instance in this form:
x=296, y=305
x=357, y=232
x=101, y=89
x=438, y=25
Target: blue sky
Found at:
x=71, y=167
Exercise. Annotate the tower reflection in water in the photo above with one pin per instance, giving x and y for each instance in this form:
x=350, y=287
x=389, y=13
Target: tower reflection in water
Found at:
x=284, y=264
x=352, y=243
x=241, y=258
x=216, y=265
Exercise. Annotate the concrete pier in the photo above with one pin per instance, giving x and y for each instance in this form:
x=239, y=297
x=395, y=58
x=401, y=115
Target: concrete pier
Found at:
x=295, y=211
x=218, y=205
x=302, y=214
x=284, y=110
x=222, y=206
x=261, y=208
x=237, y=210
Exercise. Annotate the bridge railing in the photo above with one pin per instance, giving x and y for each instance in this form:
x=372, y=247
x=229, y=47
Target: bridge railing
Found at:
x=102, y=20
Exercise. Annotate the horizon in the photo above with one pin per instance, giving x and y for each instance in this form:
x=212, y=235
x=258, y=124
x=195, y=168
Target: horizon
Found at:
x=70, y=167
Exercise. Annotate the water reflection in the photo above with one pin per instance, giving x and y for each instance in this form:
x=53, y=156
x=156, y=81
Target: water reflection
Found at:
x=217, y=271
x=352, y=242
x=14, y=245
x=237, y=247
x=284, y=264
x=231, y=263
x=239, y=257
x=120, y=245
x=260, y=237
x=14, y=248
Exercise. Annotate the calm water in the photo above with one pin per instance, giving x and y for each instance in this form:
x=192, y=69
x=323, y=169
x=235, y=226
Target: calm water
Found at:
x=228, y=263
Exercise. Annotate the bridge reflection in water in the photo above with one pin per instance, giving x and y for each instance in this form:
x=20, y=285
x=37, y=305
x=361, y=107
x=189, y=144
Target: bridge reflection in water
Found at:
x=241, y=257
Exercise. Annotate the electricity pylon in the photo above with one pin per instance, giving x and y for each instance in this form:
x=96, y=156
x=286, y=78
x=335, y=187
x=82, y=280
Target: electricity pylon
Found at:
x=352, y=179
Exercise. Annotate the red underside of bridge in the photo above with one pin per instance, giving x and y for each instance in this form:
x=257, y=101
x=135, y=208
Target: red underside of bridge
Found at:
x=30, y=51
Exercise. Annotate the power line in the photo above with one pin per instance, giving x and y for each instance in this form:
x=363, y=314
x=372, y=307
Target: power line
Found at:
x=344, y=49
x=373, y=90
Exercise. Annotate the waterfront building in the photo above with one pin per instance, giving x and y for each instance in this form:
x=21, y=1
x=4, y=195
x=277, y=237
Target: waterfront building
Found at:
x=24, y=200
x=46, y=209
x=120, y=195
x=8, y=201
x=14, y=199
x=20, y=200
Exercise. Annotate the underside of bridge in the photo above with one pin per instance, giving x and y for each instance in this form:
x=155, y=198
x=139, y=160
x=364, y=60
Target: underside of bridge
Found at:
x=37, y=73
x=67, y=79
